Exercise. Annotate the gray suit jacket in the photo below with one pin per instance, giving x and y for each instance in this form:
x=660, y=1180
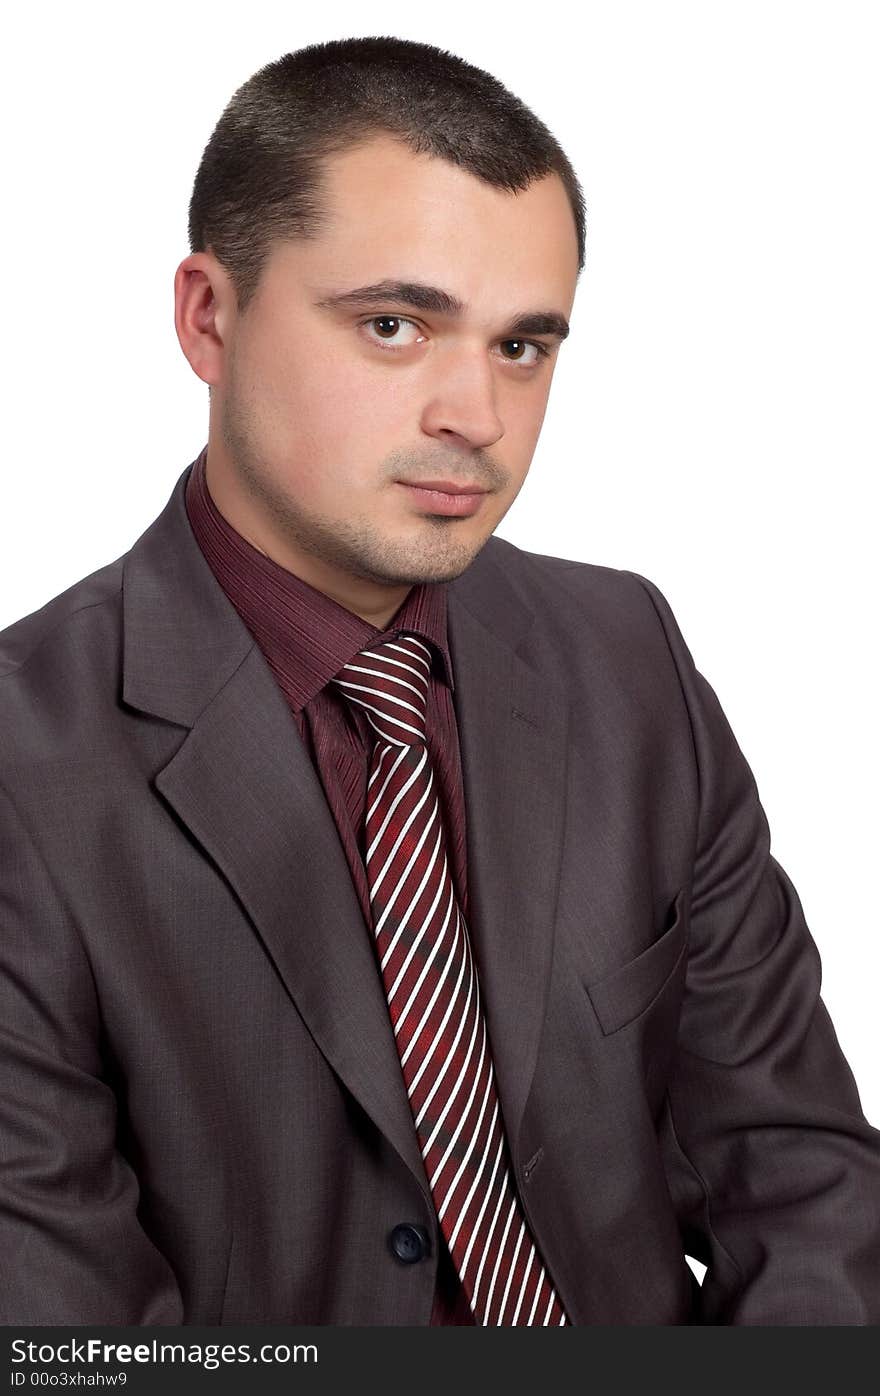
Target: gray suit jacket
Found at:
x=202, y=1112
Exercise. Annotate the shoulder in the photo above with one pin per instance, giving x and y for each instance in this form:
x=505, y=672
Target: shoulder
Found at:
x=615, y=601
x=55, y=661
x=605, y=635
x=54, y=620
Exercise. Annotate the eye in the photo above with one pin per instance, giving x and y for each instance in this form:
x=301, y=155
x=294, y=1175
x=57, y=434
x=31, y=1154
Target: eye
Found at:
x=387, y=330
x=521, y=344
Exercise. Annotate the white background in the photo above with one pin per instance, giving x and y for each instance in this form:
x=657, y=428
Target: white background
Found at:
x=713, y=421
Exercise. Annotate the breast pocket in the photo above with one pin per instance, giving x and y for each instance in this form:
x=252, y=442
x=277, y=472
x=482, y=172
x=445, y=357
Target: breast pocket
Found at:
x=623, y=994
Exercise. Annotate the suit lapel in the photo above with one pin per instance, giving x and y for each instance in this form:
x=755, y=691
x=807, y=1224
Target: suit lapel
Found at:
x=244, y=786
x=512, y=727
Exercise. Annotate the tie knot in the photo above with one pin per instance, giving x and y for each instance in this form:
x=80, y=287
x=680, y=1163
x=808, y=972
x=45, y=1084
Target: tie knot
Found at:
x=390, y=682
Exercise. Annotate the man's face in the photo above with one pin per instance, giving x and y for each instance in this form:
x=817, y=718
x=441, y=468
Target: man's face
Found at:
x=322, y=406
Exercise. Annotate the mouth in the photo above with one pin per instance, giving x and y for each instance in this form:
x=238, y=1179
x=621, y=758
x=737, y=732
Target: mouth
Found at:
x=444, y=497
x=443, y=486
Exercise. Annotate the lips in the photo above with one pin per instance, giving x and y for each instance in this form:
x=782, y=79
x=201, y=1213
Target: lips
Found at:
x=456, y=501
x=444, y=486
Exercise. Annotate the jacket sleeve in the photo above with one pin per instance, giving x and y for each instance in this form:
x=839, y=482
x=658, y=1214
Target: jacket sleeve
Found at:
x=71, y=1248
x=773, y=1169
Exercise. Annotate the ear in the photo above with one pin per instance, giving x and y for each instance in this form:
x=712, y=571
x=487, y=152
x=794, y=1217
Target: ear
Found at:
x=204, y=314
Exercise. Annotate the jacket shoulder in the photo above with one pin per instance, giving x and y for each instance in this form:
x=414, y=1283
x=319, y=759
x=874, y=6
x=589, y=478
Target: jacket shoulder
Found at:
x=52, y=622
x=59, y=667
x=609, y=596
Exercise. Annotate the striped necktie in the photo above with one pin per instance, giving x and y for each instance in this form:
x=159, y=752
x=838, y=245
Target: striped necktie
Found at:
x=430, y=980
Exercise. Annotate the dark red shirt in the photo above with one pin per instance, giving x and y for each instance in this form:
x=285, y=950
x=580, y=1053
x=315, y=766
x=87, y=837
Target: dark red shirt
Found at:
x=306, y=637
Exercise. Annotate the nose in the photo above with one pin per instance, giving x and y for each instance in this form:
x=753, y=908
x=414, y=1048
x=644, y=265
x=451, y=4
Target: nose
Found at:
x=461, y=402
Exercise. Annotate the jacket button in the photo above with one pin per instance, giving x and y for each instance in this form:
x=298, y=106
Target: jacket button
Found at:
x=409, y=1242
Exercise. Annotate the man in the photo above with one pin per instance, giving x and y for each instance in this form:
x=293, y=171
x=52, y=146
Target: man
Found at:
x=389, y=930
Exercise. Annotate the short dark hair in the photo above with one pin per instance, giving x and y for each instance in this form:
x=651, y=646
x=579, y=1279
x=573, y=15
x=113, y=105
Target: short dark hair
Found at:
x=259, y=178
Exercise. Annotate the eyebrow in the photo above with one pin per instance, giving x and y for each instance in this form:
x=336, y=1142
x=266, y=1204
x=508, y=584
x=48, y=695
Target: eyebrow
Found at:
x=431, y=298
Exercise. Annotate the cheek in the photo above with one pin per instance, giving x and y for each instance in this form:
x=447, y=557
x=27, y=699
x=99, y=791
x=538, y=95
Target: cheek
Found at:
x=527, y=408
x=333, y=397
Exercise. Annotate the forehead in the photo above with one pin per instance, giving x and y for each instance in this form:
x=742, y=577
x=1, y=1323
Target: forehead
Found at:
x=391, y=212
